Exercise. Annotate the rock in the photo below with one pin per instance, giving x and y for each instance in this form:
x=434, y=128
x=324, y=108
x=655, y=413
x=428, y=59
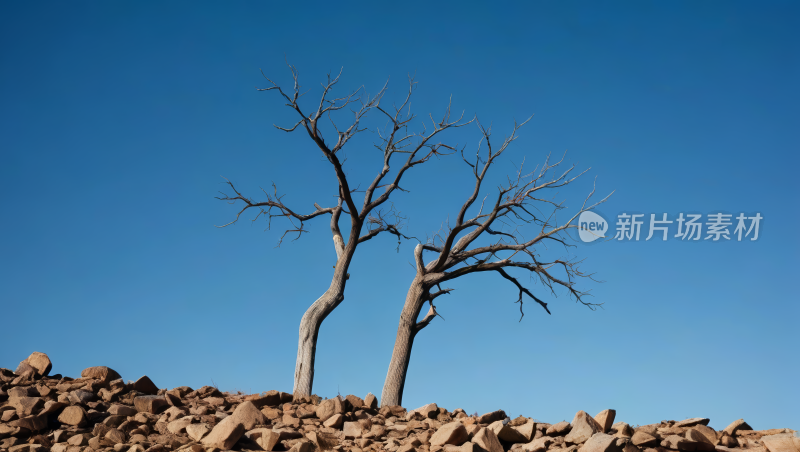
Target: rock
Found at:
x=429, y=411
x=781, y=442
x=371, y=402
x=488, y=418
x=335, y=421
x=736, y=425
x=709, y=433
x=600, y=442
x=527, y=430
x=122, y=410
x=248, y=415
x=39, y=362
x=102, y=373
x=225, y=434
x=487, y=440
x=675, y=442
x=73, y=415
x=115, y=436
x=700, y=441
x=26, y=406
x=81, y=397
x=269, y=398
x=352, y=403
x=583, y=427
x=352, y=430
x=264, y=437
x=605, y=419
x=145, y=385
x=451, y=433
x=466, y=447
x=179, y=425
x=560, y=428
x=33, y=423
x=692, y=422
x=197, y=431
x=19, y=391
x=728, y=441
x=622, y=430
x=538, y=445
x=328, y=408
x=643, y=439
x=505, y=432
x=152, y=404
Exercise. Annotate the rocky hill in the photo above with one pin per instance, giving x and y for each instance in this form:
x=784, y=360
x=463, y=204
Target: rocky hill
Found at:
x=100, y=412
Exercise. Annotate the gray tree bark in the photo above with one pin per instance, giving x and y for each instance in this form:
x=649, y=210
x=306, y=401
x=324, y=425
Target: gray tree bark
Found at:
x=401, y=355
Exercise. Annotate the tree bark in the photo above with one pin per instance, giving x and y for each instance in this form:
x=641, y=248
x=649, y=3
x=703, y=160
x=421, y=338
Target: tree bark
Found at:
x=401, y=355
x=315, y=315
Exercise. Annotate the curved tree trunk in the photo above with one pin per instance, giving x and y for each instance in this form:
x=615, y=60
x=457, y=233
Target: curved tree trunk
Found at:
x=313, y=318
x=401, y=355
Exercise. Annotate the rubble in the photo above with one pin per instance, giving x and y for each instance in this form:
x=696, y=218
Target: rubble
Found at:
x=99, y=412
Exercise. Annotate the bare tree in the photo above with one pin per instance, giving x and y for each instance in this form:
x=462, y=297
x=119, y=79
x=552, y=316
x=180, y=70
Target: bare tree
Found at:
x=457, y=252
x=394, y=138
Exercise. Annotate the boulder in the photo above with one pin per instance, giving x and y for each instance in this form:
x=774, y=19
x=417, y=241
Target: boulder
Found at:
x=327, y=408
x=145, y=385
x=505, y=432
x=102, y=373
x=225, y=434
x=115, y=436
x=600, y=442
x=643, y=439
x=622, y=430
x=781, y=442
x=430, y=411
x=730, y=430
x=692, y=422
x=152, y=404
x=269, y=398
x=336, y=421
x=371, y=402
x=488, y=418
x=122, y=410
x=583, y=427
x=265, y=438
x=197, y=431
x=538, y=445
x=676, y=442
x=33, y=423
x=352, y=430
x=352, y=403
x=26, y=406
x=487, y=440
x=39, y=362
x=527, y=430
x=605, y=419
x=248, y=415
x=709, y=433
x=561, y=428
x=451, y=433
x=72, y=415
x=178, y=426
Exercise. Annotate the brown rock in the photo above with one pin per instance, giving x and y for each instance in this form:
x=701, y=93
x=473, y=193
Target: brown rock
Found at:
x=728, y=441
x=452, y=433
x=599, y=442
x=781, y=442
x=72, y=415
x=527, y=430
x=33, y=423
x=145, y=385
x=353, y=403
x=488, y=418
x=692, y=422
x=506, y=433
x=736, y=425
x=622, y=430
x=178, y=426
x=676, y=442
x=561, y=428
x=19, y=391
x=371, y=402
x=197, y=431
x=352, y=430
x=700, y=442
x=487, y=440
x=152, y=404
x=115, y=436
x=264, y=437
x=102, y=373
x=225, y=434
x=248, y=415
x=26, y=406
x=583, y=427
x=328, y=408
x=336, y=421
x=122, y=410
x=538, y=445
x=39, y=362
x=429, y=411
x=709, y=433
x=605, y=419
x=269, y=398
x=643, y=439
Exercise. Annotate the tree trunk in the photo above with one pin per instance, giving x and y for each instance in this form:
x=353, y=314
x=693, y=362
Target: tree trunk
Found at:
x=313, y=318
x=401, y=355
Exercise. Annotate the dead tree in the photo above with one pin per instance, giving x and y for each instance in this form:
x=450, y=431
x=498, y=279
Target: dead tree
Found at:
x=372, y=217
x=490, y=241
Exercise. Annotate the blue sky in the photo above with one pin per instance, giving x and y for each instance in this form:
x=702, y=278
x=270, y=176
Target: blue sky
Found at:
x=118, y=119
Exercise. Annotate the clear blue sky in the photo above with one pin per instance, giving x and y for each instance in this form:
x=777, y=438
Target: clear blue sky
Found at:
x=118, y=118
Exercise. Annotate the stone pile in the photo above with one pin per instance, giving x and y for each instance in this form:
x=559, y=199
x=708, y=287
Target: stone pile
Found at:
x=100, y=412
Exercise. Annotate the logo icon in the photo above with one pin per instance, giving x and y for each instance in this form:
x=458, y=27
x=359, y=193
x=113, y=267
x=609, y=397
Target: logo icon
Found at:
x=591, y=226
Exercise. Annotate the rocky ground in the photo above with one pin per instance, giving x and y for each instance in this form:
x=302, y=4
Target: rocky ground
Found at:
x=100, y=412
